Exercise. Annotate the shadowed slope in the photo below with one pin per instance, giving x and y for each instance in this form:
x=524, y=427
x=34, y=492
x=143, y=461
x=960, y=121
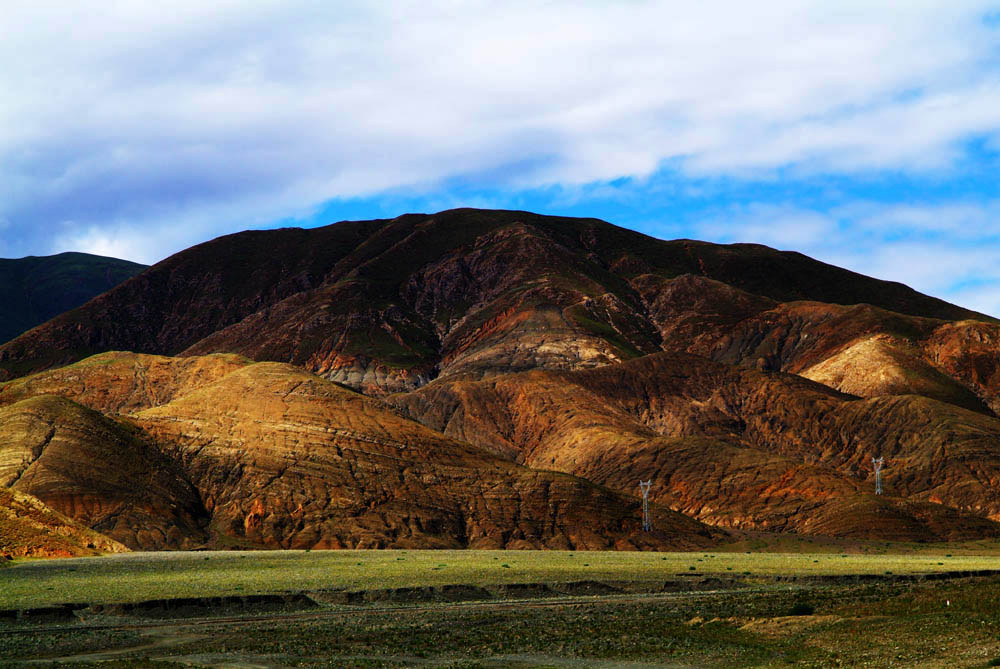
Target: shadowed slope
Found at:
x=734, y=447
x=188, y=296
x=28, y=528
x=388, y=305
x=38, y=288
x=98, y=472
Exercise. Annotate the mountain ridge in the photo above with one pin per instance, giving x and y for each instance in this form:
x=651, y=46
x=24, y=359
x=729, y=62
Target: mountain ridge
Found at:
x=38, y=288
x=417, y=291
x=285, y=376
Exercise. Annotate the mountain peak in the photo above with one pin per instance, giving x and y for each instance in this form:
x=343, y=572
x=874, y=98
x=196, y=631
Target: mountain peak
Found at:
x=391, y=303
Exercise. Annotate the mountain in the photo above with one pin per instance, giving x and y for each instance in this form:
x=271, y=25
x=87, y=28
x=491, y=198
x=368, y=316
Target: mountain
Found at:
x=738, y=447
x=37, y=288
x=385, y=306
x=235, y=453
x=503, y=379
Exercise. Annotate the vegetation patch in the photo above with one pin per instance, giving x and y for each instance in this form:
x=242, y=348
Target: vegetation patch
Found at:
x=134, y=577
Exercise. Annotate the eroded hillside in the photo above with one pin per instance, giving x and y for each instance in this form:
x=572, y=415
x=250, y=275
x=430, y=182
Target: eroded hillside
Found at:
x=269, y=455
x=737, y=447
x=503, y=379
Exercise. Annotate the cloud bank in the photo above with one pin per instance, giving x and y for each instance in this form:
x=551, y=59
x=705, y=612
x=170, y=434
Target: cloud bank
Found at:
x=135, y=130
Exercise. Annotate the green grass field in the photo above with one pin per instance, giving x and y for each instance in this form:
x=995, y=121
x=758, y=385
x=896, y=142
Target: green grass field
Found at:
x=886, y=622
x=134, y=577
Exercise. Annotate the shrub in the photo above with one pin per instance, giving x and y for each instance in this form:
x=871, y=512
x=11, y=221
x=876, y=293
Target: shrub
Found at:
x=801, y=609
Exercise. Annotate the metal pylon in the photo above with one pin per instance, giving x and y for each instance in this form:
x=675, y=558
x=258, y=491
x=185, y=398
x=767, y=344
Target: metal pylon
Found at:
x=878, y=464
x=644, y=487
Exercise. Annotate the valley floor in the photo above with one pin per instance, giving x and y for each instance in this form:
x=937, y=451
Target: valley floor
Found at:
x=503, y=609
x=138, y=576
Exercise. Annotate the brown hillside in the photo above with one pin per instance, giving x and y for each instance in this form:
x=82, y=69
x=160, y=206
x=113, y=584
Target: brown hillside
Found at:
x=119, y=382
x=98, y=472
x=281, y=458
x=734, y=447
x=28, y=528
x=858, y=349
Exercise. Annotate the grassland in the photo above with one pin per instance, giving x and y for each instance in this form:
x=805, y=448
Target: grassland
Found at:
x=939, y=624
x=134, y=577
x=873, y=626
x=760, y=623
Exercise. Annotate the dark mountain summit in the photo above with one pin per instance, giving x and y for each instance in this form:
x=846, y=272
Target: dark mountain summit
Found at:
x=38, y=288
x=387, y=305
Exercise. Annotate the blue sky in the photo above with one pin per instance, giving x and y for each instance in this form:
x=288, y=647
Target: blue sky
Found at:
x=864, y=134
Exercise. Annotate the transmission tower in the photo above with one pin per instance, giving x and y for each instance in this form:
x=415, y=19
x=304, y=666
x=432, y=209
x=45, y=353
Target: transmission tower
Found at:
x=644, y=487
x=878, y=464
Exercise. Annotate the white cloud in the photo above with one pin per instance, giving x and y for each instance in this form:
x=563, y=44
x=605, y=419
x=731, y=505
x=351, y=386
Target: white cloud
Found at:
x=953, y=220
x=131, y=111
x=778, y=226
x=945, y=250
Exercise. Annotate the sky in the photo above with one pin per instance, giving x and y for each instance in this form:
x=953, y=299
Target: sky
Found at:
x=864, y=134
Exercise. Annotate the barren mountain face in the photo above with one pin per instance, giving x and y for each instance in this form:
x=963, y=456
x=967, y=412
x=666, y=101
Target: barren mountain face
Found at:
x=503, y=379
x=736, y=447
x=269, y=455
x=99, y=472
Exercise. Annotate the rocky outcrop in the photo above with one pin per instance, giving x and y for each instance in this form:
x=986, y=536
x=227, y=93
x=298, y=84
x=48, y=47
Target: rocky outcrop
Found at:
x=968, y=351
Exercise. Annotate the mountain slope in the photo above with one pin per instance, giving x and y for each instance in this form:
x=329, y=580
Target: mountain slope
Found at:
x=99, y=472
x=281, y=458
x=119, y=382
x=388, y=305
x=37, y=288
x=859, y=349
x=28, y=528
x=737, y=447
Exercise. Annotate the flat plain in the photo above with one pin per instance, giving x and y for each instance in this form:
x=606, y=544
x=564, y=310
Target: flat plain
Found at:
x=929, y=606
x=134, y=577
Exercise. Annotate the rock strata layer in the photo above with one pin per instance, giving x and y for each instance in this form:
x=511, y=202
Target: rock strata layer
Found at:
x=269, y=455
x=519, y=374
